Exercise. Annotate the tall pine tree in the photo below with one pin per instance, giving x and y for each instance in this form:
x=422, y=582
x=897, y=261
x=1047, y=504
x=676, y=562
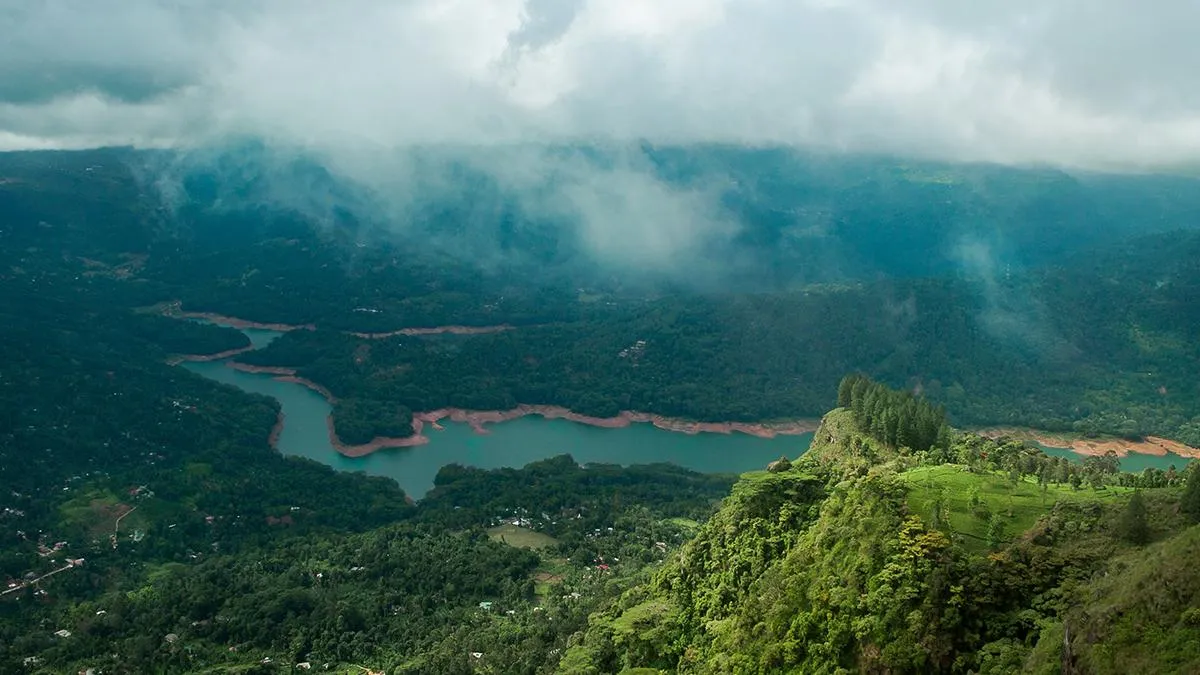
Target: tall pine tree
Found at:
x=1190, y=504
x=1132, y=526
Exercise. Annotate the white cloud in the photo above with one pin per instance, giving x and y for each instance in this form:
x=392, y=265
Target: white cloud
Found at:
x=1103, y=83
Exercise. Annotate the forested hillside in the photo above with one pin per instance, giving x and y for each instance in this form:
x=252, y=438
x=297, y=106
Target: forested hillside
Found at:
x=865, y=556
x=1101, y=346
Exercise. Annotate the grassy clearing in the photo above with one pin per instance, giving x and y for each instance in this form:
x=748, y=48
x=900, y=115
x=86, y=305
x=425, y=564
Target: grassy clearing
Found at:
x=637, y=618
x=686, y=524
x=550, y=573
x=97, y=511
x=1019, y=505
x=521, y=537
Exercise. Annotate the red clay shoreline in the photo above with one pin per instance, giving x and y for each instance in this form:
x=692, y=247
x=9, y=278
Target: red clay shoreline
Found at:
x=477, y=419
x=435, y=330
x=174, y=310
x=228, y=353
x=1095, y=447
x=273, y=438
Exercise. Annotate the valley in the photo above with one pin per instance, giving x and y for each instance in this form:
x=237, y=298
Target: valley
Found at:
x=545, y=467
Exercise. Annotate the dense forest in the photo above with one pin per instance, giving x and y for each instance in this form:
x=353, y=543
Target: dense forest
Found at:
x=147, y=519
x=148, y=526
x=1100, y=347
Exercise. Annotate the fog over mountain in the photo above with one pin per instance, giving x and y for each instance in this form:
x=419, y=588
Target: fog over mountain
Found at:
x=1099, y=84
x=490, y=126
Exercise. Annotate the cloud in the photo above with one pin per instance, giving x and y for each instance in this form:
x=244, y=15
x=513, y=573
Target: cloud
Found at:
x=366, y=87
x=1104, y=83
x=1009, y=312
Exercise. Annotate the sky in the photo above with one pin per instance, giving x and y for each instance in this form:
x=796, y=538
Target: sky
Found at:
x=1096, y=83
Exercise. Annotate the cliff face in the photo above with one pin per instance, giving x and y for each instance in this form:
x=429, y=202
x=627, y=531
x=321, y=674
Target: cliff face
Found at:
x=828, y=567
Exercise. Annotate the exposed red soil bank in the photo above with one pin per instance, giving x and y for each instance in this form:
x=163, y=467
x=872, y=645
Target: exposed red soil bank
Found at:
x=478, y=418
x=289, y=375
x=435, y=330
x=175, y=311
x=284, y=375
x=229, y=353
x=1151, y=445
x=273, y=439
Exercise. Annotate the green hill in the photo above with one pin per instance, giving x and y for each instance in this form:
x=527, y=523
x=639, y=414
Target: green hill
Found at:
x=867, y=557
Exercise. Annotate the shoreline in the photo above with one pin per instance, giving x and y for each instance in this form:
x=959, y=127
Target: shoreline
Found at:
x=175, y=311
x=436, y=330
x=478, y=419
x=284, y=375
x=234, y=322
x=1094, y=447
x=273, y=438
x=177, y=359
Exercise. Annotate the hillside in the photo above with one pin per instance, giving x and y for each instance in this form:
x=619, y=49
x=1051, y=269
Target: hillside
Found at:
x=865, y=557
x=894, y=544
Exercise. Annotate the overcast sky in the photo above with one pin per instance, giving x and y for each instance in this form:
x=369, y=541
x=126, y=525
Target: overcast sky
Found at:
x=1105, y=83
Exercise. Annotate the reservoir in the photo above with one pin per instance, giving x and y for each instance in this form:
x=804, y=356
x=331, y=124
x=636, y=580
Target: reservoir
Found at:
x=1133, y=462
x=529, y=439
x=508, y=444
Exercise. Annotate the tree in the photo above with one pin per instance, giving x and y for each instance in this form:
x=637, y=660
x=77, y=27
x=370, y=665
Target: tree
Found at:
x=1190, y=504
x=995, y=532
x=939, y=514
x=846, y=391
x=1132, y=526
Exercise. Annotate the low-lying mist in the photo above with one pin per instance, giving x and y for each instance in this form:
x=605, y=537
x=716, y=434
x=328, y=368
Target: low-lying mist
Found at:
x=704, y=217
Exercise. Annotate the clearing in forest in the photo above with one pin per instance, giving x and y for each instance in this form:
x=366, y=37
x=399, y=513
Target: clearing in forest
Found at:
x=970, y=500
x=521, y=537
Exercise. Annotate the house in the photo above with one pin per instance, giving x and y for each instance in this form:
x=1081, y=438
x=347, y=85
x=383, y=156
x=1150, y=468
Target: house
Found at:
x=485, y=605
x=63, y=633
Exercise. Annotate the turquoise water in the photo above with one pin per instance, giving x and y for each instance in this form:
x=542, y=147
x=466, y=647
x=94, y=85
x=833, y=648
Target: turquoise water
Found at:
x=510, y=444
x=1133, y=462
x=260, y=338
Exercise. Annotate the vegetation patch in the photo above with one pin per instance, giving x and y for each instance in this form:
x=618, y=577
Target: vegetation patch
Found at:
x=96, y=511
x=988, y=507
x=521, y=537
